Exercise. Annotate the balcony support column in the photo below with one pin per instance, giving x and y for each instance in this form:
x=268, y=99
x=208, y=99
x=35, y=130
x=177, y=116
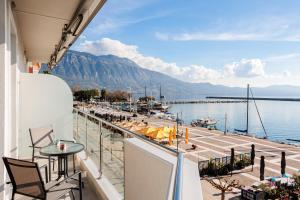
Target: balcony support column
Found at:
x=4, y=89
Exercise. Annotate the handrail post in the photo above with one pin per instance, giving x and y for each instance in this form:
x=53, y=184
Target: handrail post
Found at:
x=86, y=131
x=77, y=134
x=179, y=177
x=100, y=150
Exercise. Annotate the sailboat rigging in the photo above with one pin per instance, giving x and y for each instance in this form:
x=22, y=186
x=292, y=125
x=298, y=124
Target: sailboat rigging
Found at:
x=266, y=135
x=249, y=90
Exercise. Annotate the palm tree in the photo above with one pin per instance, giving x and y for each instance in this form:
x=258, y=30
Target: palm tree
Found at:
x=262, y=168
x=224, y=185
x=252, y=155
x=283, y=163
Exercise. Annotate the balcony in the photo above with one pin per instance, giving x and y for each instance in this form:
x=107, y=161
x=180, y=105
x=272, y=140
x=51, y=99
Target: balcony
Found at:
x=105, y=147
x=119, y=164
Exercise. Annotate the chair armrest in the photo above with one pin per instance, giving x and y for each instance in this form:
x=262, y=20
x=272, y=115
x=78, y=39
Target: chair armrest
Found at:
x=68, y=178
x=46, y=172
x=34, y=147
x=67, y=141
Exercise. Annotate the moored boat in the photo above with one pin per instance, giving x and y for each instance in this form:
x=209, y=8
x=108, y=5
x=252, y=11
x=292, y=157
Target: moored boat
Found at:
x=204, y=122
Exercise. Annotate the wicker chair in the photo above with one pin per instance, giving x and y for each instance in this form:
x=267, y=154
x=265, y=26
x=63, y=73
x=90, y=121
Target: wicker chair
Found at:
x=26, y=180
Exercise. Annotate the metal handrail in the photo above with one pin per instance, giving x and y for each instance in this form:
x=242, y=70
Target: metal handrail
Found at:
x=179, y=177
x=177, y=195
x=133, y=134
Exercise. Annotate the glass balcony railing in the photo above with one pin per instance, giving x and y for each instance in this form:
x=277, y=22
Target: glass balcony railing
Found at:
x=104, y=144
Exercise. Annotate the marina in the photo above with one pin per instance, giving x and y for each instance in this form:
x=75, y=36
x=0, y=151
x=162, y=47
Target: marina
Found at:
x=205, y=144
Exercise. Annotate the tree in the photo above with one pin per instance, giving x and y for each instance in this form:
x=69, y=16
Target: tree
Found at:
x=224, y=185
x=117, y=96
x=146, y=99
x=104, y=94
x=76, y=88
x=85, y=95
x=252, y=155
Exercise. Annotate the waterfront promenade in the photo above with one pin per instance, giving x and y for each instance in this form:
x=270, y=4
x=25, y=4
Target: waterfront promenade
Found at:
x=213, y=143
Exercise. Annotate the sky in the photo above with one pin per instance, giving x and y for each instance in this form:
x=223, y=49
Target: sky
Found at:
x=228, y=42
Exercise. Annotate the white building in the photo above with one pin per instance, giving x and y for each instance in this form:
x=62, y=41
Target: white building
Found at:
x=33, y=32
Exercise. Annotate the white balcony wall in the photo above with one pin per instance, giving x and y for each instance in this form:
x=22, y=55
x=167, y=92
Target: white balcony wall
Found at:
x=12, y=62
x=44, y=100
x=150, y=173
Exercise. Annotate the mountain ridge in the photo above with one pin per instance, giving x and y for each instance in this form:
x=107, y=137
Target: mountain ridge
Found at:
x=116, y=73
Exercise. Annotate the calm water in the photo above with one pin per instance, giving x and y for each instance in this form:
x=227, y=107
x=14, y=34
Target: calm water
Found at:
x=281, y=119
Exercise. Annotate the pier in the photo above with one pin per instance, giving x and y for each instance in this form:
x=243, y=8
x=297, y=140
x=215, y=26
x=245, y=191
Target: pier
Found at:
x=205, y=101
x=254, y=98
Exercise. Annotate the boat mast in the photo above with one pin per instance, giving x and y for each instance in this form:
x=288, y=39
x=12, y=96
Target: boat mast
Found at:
x=247, y=126
x=160, y=99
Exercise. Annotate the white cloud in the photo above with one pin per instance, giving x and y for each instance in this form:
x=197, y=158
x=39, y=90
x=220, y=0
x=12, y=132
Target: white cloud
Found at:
x=246, y=68
x=192, y=73
x=225, y=36
x=287, y=73
x=283, y=57
x=259, y=28
x=117, y=15
x=82, y=37
x=233, y=74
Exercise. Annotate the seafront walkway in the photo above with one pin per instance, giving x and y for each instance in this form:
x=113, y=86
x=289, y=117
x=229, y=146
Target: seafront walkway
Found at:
x=214, y=144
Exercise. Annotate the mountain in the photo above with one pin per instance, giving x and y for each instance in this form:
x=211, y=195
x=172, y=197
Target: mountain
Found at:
x=113, y=73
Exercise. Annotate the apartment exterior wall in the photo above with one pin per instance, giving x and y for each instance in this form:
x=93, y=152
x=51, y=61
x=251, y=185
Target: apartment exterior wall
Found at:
x=45, y=100
x=12, y=62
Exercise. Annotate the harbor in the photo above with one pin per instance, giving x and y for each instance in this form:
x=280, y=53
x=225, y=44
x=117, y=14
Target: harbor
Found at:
x=212, y=144
x=205, y=144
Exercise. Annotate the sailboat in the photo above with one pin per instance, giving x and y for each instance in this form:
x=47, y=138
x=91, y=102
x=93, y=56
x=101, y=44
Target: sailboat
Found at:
x=247, y=123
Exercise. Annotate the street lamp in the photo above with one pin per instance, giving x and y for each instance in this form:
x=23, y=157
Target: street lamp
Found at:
x=129, y=99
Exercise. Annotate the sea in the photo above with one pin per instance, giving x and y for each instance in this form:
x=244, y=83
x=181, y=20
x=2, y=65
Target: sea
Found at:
x=281, y=119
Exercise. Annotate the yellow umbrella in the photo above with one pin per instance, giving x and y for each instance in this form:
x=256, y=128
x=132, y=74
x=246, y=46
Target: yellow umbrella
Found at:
x=160, y=133
x=186, y=135
x=170, y=138
x=165, y=129
x=174, y=131
x=135, y=128
x=147, y=130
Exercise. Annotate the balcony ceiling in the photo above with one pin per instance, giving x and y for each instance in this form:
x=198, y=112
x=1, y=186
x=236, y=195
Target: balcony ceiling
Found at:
x=41, y=22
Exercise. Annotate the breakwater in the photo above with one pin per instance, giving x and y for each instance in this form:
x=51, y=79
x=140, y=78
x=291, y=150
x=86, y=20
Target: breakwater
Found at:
x=254, y=98
x=205, y=101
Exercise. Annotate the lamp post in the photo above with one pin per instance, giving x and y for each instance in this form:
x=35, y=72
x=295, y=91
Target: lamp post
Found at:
x=129, y=99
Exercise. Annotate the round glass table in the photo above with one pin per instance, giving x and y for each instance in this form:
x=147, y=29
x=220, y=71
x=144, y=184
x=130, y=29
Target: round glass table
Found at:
x=61, y=150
